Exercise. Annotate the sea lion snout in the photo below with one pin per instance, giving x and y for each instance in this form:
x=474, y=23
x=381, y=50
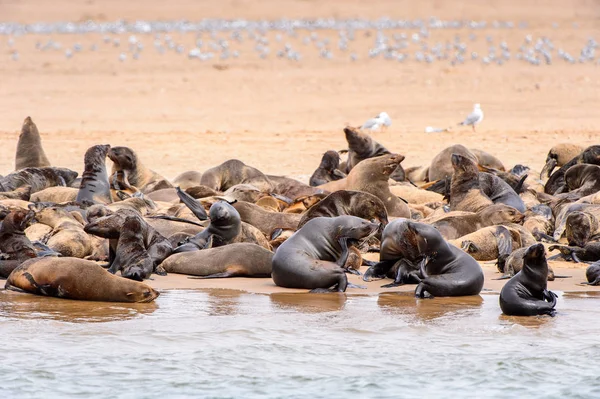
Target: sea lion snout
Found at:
x=536, y=252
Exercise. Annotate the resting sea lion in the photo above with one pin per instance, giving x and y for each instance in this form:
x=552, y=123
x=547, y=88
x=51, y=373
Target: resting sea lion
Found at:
x=233, y=260
x=327, y=170
x=37, y=178
x=487, y=160
x=315, y=256
x=499, y=191
x=73, y=278
x=57, y=195
x=526, y=294
x=441, y=165
x=15, y=247
x=465, y=189
x=489, y=243
x=131, y=257
x=264, y=220
x=592, y=274
x=94, y=181
x=30, y=153
x=589, y=253
x=188, y=179
x=556, y=182
x=580, y=180
x=559, y=155
x=124, y=158
x=592, y=212
x=233, y=172
x=292, y=188
x=22, y=193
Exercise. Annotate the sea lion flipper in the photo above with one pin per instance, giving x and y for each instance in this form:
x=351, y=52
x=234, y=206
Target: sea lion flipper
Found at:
x=391, y=285
x=504, y=241
x=350, y=285
x=343, y=241
x=62, y=182
x=160, y=270
x=194, y=205
x=216, y=275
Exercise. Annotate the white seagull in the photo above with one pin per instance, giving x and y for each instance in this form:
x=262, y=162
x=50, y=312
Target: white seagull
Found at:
x=381, y=120
x=474, y=117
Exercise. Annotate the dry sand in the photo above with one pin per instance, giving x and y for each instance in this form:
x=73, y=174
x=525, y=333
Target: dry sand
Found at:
x=281, y=116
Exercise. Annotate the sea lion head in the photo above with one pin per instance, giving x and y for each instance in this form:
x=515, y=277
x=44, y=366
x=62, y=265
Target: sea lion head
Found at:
x=330, y=161
x=143, y=293
x=425, y=238
x=501, y=213
x=357, y=141
x=123, y=157
x=96, y=155
x=578, y=228
x=18, y=220
x=461, y=163
x=222, y=213
x=355, y=228
x=111, y=225
x=535, y=266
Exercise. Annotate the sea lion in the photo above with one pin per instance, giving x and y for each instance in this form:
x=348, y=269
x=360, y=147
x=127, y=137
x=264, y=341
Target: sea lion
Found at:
x=513, y=264
x=526, y=294
x=415, y=195
x=441, y=165
x=465, y=189
x=37, y=178
x=94, y=180
x=292, y=188
x=124, y=158
x=327, y=170
x=371, y=176
x=592, y=274
x=559, y=155
x=266, y=221
x=232, y=172
x=131, y=257
x=489, y=243
x=315, y=256
x=188, y=179
x=22, y=193
x=15, y=247
x=56, y=194
x=539, y=221
x=120, y=183
x=585, y=220
x=233, y=260
x=581, y=180
x=589, y=253
x=487, y=160
x=499, y=191
x=354, y=203
x=225, y=225
x=73, y=278
x=556, y=182
x=30, y=153
x=452, y=227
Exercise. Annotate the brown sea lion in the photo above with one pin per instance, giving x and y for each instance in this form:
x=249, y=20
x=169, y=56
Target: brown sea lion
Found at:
x=559, y=155
x=581, y=220
x=302, y=204
x=22, y=193
x=124, y=158
x=188, y=179
x=244, y=192
x=55, y=194
x=465, y=189
x=513, y=264
x=233, y=260
x=354, y=203
x=131, y=257
x=526, y=294
x=441, y=165
x=371, y=176
x=292, y=188
x=489, y=243
x=415, y=195
x=15, y=247
x=30, y=153
x=487, y=160
x=94, y=180
x=73, y=278
x=232, y=172
x=119, y=182
x=315, y=256
x=556, y=182
x=37, y=178
x=266, y=221
x=539, y=221
x=327, y=170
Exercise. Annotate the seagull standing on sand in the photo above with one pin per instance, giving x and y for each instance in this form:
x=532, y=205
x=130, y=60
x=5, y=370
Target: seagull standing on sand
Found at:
x=380, y=121
x=474, y=117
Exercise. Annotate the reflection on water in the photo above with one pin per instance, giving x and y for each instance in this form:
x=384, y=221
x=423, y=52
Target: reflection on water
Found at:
x=224, y=343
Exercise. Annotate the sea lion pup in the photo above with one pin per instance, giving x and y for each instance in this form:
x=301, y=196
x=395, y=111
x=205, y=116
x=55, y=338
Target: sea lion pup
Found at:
x=94, y=180
x=371, y=176
x=124, y=158
x=489, y=243
x=452, y=227
x=353, y=203
x=441, y=166
x=264, y=220
x=526, y=294
x=30, y=153
x=445, y=270
x=73, y=278
x=511, y=265
x=327, y=170
x=487, y=160
x=465, y=189
x=580, y=180
x=15, y=247
x=21, y=193
x=233, y=260
x=499, y=191
x=232, y=172
x=188, y=179
x=315, y=256
x=225, y=225
x=37, y=178
x=57, y=195
x=559, y=155
x=556, y=182
x=67, y=236
x=539, y=221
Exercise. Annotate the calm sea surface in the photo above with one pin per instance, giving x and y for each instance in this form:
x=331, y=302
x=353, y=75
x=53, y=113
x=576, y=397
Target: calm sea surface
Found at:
x=228, y=344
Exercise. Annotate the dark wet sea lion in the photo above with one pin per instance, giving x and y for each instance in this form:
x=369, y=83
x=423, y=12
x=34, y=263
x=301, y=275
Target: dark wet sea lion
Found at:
x=452, y=227
x=315, y=256
x=526, y=294
x=371, y=176
x=445, y=269
x=264, y=220
x=30, y=153
x=73, y=278
x=37, y=178
x=225, y=225
x=15, y=247
x=559, y=155
x=441, y=165
x=465, y=189
x=499, y=191
x=94, y=180
x=592, y=274
x=556, y=182
x=188, y=179
x=233, y=260
x=589, y=253
x=343, y=202
x=327, y=170
x=580, y=180
x=124, y=158
x=232, y=172
x=131, y=257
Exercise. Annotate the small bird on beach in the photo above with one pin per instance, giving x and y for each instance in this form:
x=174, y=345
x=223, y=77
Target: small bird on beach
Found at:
x=380, y=121
x=474, y=117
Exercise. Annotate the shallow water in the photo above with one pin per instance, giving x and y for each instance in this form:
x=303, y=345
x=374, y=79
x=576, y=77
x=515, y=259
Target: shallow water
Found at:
x=225, y=344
